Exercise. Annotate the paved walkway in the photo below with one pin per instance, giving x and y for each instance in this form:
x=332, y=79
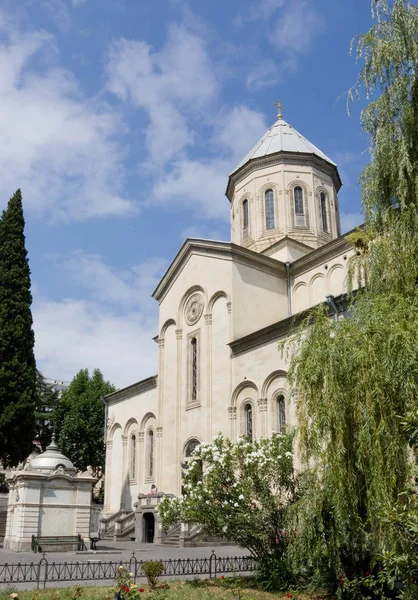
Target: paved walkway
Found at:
x=110, y=551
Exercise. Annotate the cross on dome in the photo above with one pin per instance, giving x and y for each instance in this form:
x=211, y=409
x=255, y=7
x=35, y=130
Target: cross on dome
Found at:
x=279, y=109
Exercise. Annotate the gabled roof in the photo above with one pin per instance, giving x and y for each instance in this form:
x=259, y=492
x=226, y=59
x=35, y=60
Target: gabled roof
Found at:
x=281, y=137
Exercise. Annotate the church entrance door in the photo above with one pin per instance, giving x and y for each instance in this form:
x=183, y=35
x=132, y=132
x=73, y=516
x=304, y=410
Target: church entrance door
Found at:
x=148, y=527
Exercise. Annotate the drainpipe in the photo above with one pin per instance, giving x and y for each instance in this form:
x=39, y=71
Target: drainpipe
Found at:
x=333, y=307
x=289, y=296
x=105, y=421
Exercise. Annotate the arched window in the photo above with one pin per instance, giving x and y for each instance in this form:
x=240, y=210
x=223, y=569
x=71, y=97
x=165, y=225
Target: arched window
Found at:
x=150, y=453
x=298, y=195
x=245, y=217
x=281, y=414
x=191, y=447
x=324, y=212
x=248, y=414
x=269, y=209
x=133, y=456
x=194, y=358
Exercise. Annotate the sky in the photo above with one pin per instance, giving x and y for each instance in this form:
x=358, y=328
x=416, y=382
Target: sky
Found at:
x=120, y=121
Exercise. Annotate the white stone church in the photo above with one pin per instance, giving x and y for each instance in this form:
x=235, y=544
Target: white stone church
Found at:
x=223, y=308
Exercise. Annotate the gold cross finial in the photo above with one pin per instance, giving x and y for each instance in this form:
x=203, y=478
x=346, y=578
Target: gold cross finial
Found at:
x=279, y=109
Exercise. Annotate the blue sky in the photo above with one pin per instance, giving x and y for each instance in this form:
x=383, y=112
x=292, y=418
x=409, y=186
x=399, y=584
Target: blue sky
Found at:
x=120, y=121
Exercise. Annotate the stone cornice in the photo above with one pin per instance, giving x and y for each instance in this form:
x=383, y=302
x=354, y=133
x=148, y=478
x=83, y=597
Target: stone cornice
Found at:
x=278, y=330
x=322, y=254
x=215, y=249
x=287, y=241
x=284, y=158
x=132, y=390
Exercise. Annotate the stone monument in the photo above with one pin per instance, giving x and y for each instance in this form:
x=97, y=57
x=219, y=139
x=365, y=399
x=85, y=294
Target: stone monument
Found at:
x=48, y=498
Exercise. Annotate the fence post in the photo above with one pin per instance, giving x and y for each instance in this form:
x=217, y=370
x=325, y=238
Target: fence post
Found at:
x=42, y=563
x=212, y=557
x=133, y=561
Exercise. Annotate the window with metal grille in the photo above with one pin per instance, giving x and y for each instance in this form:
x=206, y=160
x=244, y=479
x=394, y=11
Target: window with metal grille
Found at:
x=269, y=209
x=245, y=217
x=281, y=413
x=324, y=212
x=150, y=453
x=248, y=411
x=133, y=456
x=194, y=368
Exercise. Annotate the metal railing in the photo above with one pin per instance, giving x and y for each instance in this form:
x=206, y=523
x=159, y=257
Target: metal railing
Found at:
x=44, y=571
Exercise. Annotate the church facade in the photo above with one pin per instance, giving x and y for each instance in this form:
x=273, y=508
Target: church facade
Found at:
x=223, y=309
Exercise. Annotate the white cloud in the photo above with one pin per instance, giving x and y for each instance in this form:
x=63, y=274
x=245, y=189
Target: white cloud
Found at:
x=58, y=146
x=78, y=2
x=297, y=26
x=112, y=328
x=350, y=220
x=171, y=85
x=236, y=130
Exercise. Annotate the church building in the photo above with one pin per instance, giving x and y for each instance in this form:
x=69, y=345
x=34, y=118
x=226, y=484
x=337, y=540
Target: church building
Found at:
x=223, y=309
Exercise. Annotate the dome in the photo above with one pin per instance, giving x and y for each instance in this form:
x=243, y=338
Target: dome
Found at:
x=281, y=137
x=51, y=459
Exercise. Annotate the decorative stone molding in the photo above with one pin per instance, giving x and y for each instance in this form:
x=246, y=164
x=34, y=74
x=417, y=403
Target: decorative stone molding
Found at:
x=194, y=308
x=161, y=343
x=232, y=411
x=179, y=334
x=159, y=431
x=262, y=404
x=229, y=307
x=208, y=319
x=141, y=436
x=124, y=440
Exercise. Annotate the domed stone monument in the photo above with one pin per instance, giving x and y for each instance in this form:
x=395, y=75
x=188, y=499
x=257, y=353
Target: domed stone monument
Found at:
x=48, y=498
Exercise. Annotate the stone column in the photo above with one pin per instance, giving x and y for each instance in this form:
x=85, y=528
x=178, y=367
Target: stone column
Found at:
x=262, y=416
x=108, y=476
x=159, y=465
x=179, y=338
x=208, y=323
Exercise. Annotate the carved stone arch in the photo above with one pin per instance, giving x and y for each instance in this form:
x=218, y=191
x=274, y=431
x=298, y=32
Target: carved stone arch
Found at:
x=194, y=289
x=269, y=379
x=300, y=296
x=164, y=328
x=316, y=297
x=147, y=417
x=192, y=438
x=300, y=284
x=340, y=288
x=305, y=190
x=320, y=189
x=242, y=386
x=130, y=422
x=113, y=429
x=277, y=213
x=216, y=296
x=278, y=393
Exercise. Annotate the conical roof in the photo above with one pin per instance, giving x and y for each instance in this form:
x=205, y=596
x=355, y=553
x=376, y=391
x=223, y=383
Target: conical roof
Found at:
x=281, y=137
x=51, y=459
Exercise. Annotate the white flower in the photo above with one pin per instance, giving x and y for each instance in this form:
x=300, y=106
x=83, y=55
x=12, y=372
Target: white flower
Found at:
x=234, y=485
x=225, y=528
x=236, y=504
x=241, y=497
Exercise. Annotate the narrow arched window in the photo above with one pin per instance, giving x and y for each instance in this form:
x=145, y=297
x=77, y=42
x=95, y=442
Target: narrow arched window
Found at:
x=194, y=368
x=269, y=209
x=150, y=453
x=245, y=217
x=324, y=212
x=133, y=456
x=281, y=414
x=298, y=196
x=248, y=413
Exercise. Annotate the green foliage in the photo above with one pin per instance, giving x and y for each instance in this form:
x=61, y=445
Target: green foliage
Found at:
x=80, y=419
x=153, y=570
x=47, y=401
x=240, y=491
x=17, y=361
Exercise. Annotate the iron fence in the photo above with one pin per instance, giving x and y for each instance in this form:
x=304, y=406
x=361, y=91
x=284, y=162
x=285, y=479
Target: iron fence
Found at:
x=43, y=572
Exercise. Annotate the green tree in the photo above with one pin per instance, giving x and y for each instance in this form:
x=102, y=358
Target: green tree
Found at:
x=47, y=401
x=17, y=361
x=80, y=419
x=357, y=379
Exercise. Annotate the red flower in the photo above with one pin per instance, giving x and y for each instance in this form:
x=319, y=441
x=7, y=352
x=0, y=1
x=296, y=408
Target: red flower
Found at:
x=339, y=576
x=289, y=595
x=222, y=576
x=411, y=580
x=367, y=573
x=141, y=590
x=150, y=590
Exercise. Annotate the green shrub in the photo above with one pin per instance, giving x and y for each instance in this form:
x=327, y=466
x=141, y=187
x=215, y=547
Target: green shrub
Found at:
x=153, y=570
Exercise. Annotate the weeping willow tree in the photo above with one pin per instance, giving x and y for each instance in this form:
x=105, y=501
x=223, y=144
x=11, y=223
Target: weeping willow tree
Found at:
x=357, y=379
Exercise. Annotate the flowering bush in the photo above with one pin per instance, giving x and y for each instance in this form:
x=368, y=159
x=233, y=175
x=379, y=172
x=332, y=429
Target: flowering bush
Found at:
x=124, y=585
x=239, y=491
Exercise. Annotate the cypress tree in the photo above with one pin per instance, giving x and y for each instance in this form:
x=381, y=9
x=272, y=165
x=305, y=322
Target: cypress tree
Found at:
x=17, y=360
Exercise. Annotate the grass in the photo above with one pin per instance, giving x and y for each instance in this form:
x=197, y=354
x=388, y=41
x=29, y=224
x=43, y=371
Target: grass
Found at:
x=228, y=588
